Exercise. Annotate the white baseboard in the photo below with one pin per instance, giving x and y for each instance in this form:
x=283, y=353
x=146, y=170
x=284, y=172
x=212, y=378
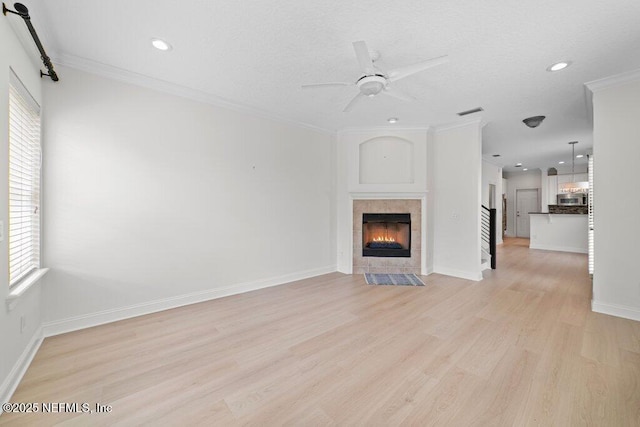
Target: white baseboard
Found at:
x=617, y=310
x=469, y=275
x=107, y=316
x=558, y=248
x=12, y=380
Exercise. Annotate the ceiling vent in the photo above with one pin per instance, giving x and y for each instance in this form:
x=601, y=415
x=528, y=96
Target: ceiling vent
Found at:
x=475, y=110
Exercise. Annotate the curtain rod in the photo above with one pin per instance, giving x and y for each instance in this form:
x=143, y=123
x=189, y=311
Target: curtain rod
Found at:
x=23, y=12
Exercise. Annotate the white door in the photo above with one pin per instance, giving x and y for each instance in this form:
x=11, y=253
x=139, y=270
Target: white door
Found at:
x=526, y=201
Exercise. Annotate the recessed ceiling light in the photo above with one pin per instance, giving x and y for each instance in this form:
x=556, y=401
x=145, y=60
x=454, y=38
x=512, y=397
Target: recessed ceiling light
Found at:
x=392, y=120
x=496, y=155
x=579, y=156
x=561, y=163
x=559, y=66
x=160, y=44
x=525, y=169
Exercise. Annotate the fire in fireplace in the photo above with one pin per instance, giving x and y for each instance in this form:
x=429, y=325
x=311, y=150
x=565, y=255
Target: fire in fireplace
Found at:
x=386, y=235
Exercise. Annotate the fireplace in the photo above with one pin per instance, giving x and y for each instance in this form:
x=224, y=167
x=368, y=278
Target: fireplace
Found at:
x=386, y=235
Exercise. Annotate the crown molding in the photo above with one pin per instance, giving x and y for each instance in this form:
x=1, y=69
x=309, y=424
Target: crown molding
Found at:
x=588, y=100
x=456, y=125
x=130, y=77
x=388, y=129
x=615, y=80
x=492, y=162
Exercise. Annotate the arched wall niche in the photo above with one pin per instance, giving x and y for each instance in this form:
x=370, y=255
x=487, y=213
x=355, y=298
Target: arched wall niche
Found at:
x=386, y=160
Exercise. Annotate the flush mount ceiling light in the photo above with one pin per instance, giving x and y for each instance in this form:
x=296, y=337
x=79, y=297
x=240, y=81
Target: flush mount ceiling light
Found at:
x=558, y=66
x=518, y=165
x=392, y=120
x=533, y=122
x=160, y=44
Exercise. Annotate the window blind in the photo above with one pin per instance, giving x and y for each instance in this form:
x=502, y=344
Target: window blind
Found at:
x=24, y=182
x=590, y=212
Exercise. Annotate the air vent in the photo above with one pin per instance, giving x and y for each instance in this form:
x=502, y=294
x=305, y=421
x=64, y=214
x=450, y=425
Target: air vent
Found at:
x=475, y=110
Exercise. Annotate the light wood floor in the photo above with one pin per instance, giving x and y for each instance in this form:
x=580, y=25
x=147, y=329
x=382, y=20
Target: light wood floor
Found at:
x=518, y=348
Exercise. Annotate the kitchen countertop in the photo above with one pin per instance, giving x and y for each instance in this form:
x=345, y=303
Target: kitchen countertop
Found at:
x=549, y=213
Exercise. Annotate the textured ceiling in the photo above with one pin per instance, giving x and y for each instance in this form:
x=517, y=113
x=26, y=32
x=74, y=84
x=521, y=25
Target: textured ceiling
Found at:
x=258, y=53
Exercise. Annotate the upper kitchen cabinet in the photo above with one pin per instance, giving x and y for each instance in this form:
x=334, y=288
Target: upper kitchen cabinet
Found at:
x=563, y=179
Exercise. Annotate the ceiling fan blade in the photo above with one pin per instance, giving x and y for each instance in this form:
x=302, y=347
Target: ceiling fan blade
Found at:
x=402, y=72
x=397, y=94
x=329, y=84
x=364, y=58
x=356, y=99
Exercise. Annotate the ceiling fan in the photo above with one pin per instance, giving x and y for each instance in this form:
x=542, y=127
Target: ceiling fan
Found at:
x=375, y=81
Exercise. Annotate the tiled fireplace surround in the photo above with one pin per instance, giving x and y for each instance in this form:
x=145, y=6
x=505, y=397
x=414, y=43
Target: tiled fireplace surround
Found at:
x=387, y=264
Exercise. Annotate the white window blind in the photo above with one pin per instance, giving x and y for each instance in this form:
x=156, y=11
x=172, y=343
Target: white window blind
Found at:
x=590, y=207
x=24, y=182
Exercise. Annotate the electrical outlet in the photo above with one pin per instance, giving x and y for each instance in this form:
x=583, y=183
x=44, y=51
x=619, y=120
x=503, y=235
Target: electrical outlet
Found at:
x=23, y=323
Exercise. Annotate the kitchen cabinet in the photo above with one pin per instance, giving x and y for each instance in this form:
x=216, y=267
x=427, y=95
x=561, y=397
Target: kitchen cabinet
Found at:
x=554, y=182
x=578, y=177
x=559, y=232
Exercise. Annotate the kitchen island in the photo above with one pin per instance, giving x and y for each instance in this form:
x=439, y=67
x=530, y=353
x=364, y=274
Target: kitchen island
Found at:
x=559, y=232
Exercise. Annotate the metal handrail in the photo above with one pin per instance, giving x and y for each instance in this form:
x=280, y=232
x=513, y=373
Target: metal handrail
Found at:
x=488, y=221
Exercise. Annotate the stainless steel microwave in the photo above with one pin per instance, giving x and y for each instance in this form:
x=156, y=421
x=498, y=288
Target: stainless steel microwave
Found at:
x=572, y=199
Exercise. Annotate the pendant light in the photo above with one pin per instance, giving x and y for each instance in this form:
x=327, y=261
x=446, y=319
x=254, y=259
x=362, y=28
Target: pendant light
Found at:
x=573, y=186
x=573, y=160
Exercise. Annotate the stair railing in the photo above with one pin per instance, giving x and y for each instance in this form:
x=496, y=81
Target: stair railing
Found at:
x=488, y=232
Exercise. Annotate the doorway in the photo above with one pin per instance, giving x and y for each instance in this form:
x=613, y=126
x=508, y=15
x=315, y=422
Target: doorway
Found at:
x=526, y=201
x=492, y=196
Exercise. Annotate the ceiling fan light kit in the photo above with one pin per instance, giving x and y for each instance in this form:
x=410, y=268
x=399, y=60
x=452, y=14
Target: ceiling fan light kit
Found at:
x=372, y=85
x=374, y=80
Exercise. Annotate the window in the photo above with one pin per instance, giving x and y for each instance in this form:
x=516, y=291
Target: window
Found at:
x=24, y=182
x=590, y=204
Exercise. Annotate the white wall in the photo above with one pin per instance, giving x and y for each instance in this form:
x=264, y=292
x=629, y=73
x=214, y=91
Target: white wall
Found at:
x=153, y=201
x=616, y=131
x=457, y=177
x=515, y=181
x=14, y=344
x=492, y=175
